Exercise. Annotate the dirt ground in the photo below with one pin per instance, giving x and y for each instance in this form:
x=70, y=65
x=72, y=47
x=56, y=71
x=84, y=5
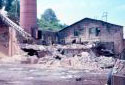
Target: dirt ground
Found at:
x=22, y=74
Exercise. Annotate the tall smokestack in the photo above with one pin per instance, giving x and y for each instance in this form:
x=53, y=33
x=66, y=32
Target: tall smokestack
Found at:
x=28, y=16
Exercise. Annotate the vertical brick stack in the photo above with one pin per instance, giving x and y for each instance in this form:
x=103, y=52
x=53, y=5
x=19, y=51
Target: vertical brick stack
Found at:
x=28, y=15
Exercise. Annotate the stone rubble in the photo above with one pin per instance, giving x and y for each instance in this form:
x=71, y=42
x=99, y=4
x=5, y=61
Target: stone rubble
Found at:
x=105, y=61
x=82, y=61
x=119, y=67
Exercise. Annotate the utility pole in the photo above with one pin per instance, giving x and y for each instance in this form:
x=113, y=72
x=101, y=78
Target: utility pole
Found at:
x=105, y=16
x=96, y=17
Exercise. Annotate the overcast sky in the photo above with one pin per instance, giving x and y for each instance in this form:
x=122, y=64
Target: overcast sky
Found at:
x=70, y=11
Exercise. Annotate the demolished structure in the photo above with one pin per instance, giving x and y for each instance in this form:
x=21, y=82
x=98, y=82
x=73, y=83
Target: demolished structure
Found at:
x=89, y=30
x=89, y=45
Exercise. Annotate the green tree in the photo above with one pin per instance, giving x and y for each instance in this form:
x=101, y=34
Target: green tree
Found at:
x=13, y=8
x=50, y=16
x=1, y=4
x=8, y=5
x=49, y=21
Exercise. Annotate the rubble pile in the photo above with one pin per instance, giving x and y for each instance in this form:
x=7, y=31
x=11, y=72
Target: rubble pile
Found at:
x=117, y=75
x=35, y=47
x=75, y=46
x=85, y=60
x=15, y=59
x=72, y=46
x=119, y=67
x=105, y=61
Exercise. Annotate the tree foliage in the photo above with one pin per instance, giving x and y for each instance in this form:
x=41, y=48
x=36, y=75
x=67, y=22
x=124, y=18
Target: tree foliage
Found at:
x=8, y=5
x=50, y=16
x=11, y=6
x=15, y=9
x=49, y=21
x=1, y=4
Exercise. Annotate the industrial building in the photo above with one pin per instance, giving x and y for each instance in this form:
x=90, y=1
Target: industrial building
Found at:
x=88, y=30
x=91, y=30
x=68, y=59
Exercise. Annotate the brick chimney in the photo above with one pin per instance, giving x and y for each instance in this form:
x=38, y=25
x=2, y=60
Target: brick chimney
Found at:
x=28, y=16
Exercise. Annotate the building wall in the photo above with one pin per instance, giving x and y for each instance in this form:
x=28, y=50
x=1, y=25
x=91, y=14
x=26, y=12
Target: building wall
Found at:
x=4, y=40
x=8, y=40
x=93, y=31
x=48, y=38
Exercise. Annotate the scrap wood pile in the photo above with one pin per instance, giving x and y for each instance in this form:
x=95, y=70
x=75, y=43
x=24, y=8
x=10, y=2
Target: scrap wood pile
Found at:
x=57, y=46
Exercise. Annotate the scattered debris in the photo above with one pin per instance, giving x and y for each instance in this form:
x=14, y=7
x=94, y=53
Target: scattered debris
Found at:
x=119, y=67
x=105, y=62
x=55, y=56
x=117, y=77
